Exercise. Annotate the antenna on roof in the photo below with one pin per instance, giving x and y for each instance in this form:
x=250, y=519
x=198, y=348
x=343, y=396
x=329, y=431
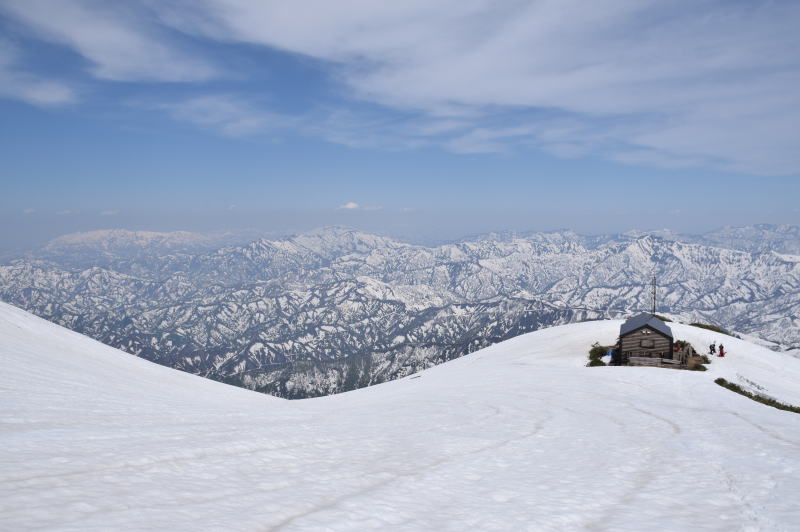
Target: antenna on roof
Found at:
x=654, y=294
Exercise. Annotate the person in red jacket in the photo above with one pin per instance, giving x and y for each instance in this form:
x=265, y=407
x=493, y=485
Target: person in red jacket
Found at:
x=721, y=350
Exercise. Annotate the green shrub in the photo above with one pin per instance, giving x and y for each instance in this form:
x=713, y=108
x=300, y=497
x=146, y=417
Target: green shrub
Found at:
x=705, y=359
x=596, y=353
x=710, y=328
x=757, y=398
x=698, y=367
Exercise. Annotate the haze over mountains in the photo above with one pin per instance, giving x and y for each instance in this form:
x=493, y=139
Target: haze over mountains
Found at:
x=335, y=308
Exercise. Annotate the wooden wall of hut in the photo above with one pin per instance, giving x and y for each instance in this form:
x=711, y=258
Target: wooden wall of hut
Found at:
x=646, y=344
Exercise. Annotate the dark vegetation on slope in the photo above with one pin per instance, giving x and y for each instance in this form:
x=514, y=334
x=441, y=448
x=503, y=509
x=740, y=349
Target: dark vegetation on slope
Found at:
x=710, y=328
x=757, y=398
x=696, y=363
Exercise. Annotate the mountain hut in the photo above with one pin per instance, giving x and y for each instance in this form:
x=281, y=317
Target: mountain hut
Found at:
x=645, y=340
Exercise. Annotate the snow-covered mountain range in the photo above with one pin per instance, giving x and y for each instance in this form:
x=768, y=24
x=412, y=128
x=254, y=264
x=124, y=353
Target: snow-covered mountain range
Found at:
x=518, y=436
x=335, y=309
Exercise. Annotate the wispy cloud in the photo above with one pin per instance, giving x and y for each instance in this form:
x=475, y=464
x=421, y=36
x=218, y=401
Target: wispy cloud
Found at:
x=21, y=85
x=67, y=212
x=689, y=81
x=349, y=206
x=28, y=211
x=112, y=212
x=120, y=40
x=230, y=115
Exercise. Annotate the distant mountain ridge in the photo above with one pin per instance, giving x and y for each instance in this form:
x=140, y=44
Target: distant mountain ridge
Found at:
x=104, y=246
x=335, y=308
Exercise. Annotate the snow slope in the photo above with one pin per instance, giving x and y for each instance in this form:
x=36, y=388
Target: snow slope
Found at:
x=517, y=436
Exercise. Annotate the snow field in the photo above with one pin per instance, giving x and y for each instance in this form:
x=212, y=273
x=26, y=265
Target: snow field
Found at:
x=518, y=436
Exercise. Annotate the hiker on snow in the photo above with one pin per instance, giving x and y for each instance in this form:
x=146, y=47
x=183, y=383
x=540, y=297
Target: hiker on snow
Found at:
x=712, y=349
x=721, y=350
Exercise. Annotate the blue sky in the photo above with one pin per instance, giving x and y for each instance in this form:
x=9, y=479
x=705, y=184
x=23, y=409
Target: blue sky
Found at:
x=424, y=120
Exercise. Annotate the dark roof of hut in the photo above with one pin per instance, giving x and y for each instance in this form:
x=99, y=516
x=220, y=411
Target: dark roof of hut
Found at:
x=645, y=319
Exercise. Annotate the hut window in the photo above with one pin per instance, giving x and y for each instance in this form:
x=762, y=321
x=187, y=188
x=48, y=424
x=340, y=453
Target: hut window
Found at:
x=647, y=343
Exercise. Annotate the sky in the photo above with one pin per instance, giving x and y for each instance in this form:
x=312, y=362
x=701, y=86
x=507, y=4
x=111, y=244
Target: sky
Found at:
x=425, y=120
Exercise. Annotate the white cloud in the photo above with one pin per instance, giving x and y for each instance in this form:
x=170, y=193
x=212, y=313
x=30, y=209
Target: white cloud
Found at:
x=112, y=212
x=28, y=211
x=67, y=212
x=667, y=83
x=353, y=206
x=117, y=38
x=713, y=82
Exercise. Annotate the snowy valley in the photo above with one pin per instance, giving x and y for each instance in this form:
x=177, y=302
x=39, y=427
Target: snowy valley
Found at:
x=337, y=309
